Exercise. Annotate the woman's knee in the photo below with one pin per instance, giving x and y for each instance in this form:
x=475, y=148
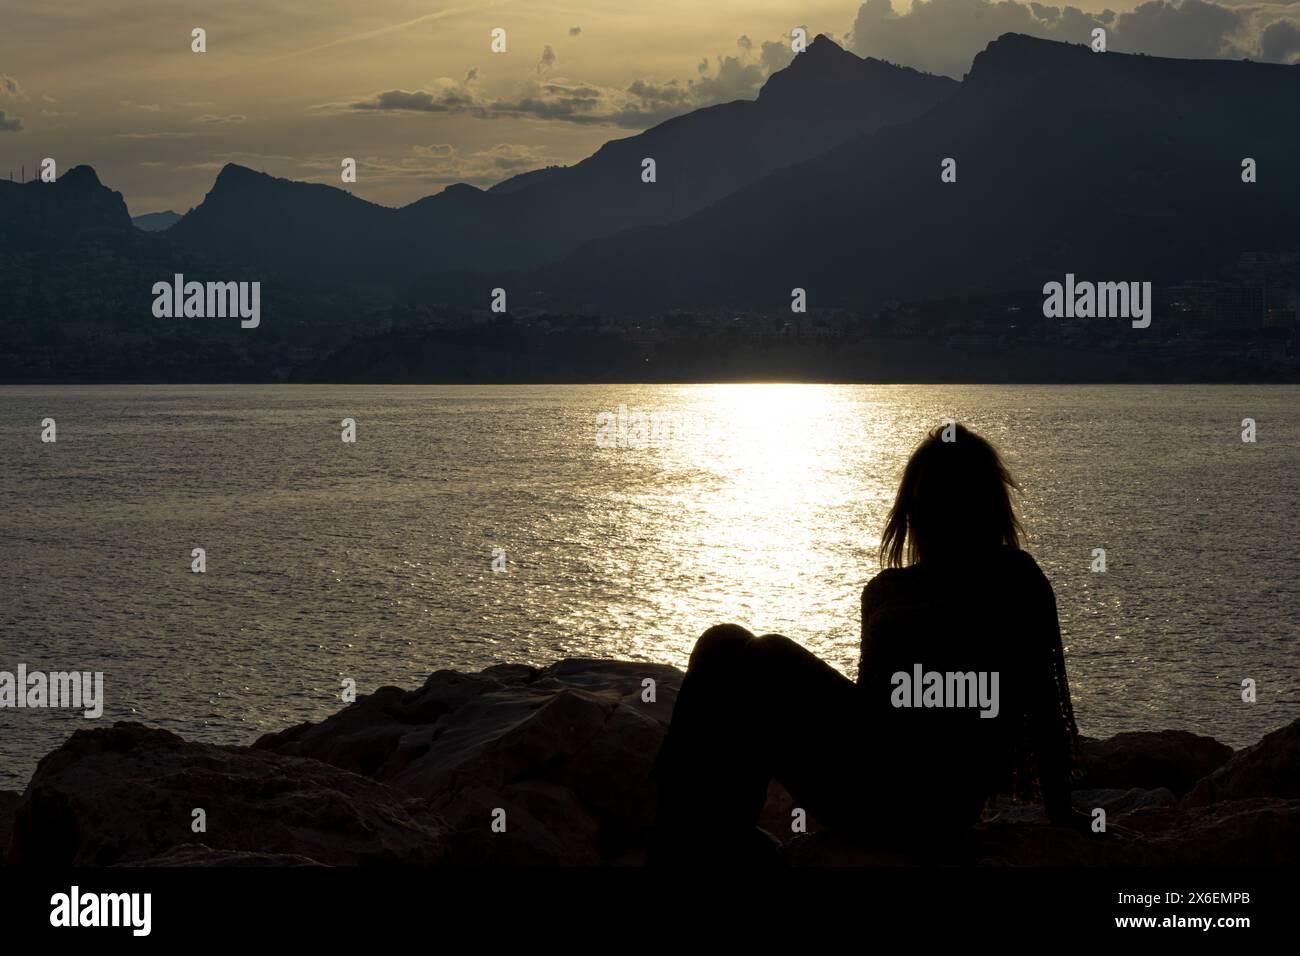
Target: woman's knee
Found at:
x=777, y=646
x=720, y=641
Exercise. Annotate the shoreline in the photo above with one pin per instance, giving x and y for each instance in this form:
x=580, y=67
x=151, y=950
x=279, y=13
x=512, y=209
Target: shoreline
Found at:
x=559, y=757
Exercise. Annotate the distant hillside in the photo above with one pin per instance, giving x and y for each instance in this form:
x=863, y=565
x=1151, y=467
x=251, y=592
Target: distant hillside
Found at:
x=1109, y=166
x=825, y=97
x=156, y=221
x=76, y=298
x=37, y=213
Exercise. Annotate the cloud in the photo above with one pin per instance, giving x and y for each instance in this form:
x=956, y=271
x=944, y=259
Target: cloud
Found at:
x=574, y=31
x=212, y=119
x=9, y=124
x=776, y=55
x=504, y=157
x=146, y=107
x=733, y=78
x=9, y=86
x=446, y=97
x=443, y=163
x=643, y=103
x=943, y=36
x=1280, y=41
x=671, y=93
x=164, y=134
x=1193, y=29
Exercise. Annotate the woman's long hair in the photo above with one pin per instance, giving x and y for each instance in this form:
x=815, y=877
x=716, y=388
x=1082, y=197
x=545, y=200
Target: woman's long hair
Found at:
x=955, y=495
x=955, y=499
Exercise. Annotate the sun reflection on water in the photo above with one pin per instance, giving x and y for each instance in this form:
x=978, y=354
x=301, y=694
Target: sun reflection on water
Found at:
x=740, y=502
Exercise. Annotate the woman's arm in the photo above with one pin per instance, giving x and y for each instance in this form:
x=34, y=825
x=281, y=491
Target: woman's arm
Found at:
x=1051, y=718
x=868, y=649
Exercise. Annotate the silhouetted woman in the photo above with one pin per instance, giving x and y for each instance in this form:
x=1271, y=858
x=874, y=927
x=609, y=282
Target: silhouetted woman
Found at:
x=961, y=690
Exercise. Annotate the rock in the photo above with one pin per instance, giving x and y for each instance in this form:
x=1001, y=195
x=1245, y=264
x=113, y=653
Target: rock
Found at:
x=1013, y=844
x=1174, y=759
x=197, y=854
x=565, y=751
x=1114, y=802
x=1271, y=768
x=1254, y=832
x=125, y=794
x=777, y=817
x=561, y=756
x=8, y=801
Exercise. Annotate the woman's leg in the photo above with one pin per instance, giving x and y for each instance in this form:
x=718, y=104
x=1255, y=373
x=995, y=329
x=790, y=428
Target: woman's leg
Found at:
x=750, y=709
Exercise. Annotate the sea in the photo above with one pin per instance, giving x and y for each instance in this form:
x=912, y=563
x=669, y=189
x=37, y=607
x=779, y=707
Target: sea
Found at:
x=464, y=526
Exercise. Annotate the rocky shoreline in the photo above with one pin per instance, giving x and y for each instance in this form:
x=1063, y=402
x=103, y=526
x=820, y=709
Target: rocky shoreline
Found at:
x=418, y=777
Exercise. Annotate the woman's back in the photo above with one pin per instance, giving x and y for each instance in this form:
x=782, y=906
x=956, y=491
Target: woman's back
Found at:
x=954, y=671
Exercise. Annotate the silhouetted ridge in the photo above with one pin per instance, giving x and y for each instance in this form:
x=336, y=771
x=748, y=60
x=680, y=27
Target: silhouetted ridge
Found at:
x=1016, y=58
x=459, y=191
x=827, y=70
x=824, y=98
x=81, y=177
x=1018, y=51
x=156, y=221
x=77, y=202
x=1067, y=161
x=234, y=178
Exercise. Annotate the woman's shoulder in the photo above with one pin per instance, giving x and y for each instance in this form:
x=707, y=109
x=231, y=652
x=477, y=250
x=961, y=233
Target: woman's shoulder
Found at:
x=890, y=581
x=1019, y=559
x=1002, y=561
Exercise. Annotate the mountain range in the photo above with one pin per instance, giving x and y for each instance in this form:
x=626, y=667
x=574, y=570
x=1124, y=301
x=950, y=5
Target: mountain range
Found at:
x=825, y=97
x=1107, y=166
x=1111, y=166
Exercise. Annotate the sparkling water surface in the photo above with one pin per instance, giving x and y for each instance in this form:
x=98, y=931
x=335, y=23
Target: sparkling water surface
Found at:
x=760, y=504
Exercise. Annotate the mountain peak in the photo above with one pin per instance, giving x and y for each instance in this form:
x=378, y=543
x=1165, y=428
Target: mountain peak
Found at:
x=823, y=66
x=1016, y=53
x=824, y=54
x=824, y=45
x=233, y=173
x=81, y=177
x=826, y=71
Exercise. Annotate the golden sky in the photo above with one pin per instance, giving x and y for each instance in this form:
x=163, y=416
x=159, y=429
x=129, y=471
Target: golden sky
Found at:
x=409, y=89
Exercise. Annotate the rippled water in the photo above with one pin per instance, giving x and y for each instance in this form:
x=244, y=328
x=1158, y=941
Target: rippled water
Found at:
x=754, y=503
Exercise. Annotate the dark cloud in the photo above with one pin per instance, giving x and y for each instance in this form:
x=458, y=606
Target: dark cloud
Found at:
x=1192, y=29
x=444, y=100
x=1280, y=41
x=547, y=62
x=671, y=93
x=574, y=31
x=9, y=86
x=745, y=43
x=9, y=124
